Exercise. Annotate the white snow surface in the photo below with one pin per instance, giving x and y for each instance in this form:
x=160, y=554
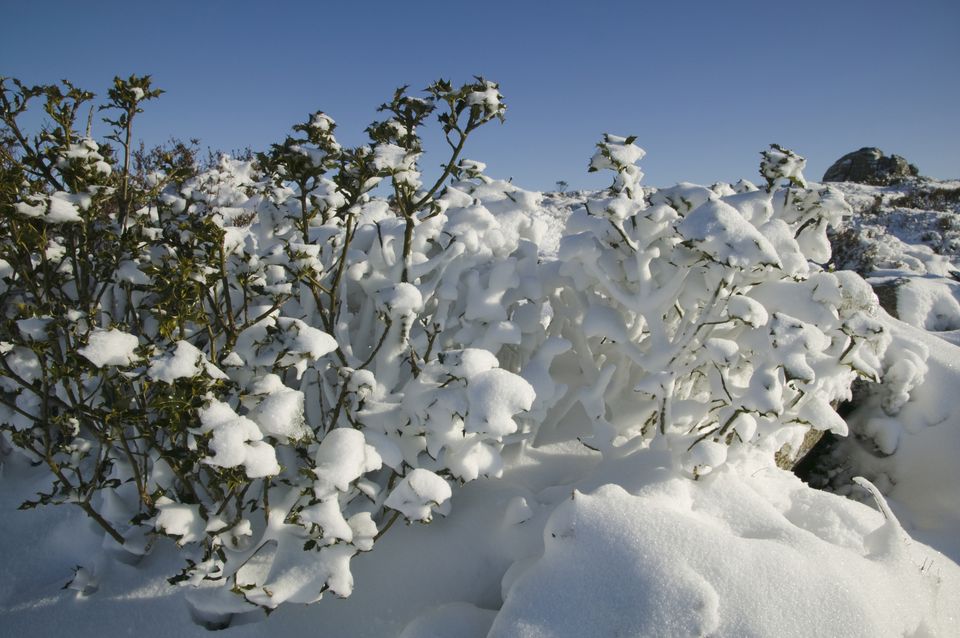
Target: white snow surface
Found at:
x=909, y=447
x=620, y=547
x=726, y=557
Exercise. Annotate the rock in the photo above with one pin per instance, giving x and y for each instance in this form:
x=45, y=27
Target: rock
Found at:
x=888, y=295
x=870, y=166
x=787, y=458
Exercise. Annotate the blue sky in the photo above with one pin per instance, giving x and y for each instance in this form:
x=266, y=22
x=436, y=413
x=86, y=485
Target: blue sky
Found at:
x=704, y=85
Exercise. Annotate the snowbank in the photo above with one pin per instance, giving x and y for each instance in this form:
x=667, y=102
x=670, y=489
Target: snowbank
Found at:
x=625, y=547
x=728, y=556
x=912, y=453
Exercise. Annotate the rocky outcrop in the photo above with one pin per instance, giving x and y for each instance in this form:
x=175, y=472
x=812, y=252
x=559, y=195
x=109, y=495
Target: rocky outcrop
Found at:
x=870, y=166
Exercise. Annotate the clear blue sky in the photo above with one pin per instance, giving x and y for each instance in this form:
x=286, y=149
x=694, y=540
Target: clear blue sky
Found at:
x=704, y=85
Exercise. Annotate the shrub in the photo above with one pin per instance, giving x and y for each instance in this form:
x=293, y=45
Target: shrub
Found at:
x=700, y=316
x=929, y=198
x=270, y=363
x=237, y=357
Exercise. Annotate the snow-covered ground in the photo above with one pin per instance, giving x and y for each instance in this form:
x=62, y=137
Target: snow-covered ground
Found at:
x=912, y=256
x=614, y=548
x=569, y=542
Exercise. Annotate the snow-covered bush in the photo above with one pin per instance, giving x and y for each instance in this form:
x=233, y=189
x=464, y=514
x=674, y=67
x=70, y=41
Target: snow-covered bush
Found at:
x=271, y=362
x=703, y=315
x=263, y=360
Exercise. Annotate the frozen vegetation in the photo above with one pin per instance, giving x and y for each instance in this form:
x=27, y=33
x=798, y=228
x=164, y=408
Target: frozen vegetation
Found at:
x=309, y=393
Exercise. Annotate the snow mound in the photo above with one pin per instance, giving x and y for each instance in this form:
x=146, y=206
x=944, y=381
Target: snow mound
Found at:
x=933, y=305
x=728, y=556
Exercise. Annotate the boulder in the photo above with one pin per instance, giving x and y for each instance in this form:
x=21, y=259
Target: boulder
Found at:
x=870, y=166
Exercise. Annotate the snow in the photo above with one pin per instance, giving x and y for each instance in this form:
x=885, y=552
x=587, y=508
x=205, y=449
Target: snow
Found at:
x=703, y=457
x=400, y=299
x=455, y=619
x=495, y=396
x=59, y=208
x=748, y=310
x=280, y=414
x=780, y=163
x=616, y=151
x=63, y=208
x=720, y=231
x=342, y=457
x=917, y=433
x=179, y=520
x=572, y=560
x=110, y=348
x=236, y=440
x=34, y=328
x=305, y=339
x=30, y=210
x=390, y=157
x=704, y=551
x=185, y=362
x=328, y=516
x=469, y=362
x=299, y=578
x=685, y=197
x=689, y=530
x=471, y=458
x=488, y=97
x=933, y=305
x=418, y=494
